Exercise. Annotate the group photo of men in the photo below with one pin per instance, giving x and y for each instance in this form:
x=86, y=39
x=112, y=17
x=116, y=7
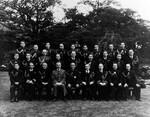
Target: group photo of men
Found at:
x=78, y=73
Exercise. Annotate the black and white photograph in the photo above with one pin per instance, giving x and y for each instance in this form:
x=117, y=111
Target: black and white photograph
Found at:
x=74, y=58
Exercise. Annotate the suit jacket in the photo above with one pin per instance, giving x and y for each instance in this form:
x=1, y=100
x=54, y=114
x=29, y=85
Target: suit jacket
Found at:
x=16, y=76
x=134, y=62
x=45, y=76
x=130, y=78
x=59, y=76
x=12, y=63
x=87, y=77
x=73, y=77
x=30, y=76
x=101, y=77
x=114, y=77
x=21, y=51
x=106, y=63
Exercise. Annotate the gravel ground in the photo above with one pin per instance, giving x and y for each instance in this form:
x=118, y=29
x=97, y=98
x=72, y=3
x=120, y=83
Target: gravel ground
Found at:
x=72, y=108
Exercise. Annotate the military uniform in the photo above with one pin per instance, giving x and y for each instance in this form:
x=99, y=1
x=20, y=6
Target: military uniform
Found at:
x=59, y=83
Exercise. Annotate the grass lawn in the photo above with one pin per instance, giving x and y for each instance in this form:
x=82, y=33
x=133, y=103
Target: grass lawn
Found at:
x=72, y=108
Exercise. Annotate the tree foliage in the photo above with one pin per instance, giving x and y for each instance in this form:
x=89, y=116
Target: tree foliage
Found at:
x=27, y=16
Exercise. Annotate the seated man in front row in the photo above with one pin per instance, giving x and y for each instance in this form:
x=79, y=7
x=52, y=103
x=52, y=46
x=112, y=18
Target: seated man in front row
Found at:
x=59, y=82
x=130, y=83
x=73, y=82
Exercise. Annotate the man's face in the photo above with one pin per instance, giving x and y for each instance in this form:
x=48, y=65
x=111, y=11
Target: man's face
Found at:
x=72, y=65
x=73, y=54
x=85, y=47
x=28, y=56
x=96, y=47
x=35, y=47
x=44, y=66
x=122, y=45
x=87, y=67
x=44, y=52
x=31, y=65
x=105, y=54
x=47, y=45
x=73, y=47
x=22, y=44
x=17, y=66
x=119, y=56
x=61, y=46
x=115, y=66
x=111, y=46
x=58, y=65
x=101, y=66
x=16, y=56
x=128, y=67
x=90, y=57
x=58, y=56
x=131, y=52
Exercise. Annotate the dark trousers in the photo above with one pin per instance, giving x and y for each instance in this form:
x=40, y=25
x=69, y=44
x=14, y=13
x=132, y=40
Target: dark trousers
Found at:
x=102, y=92
x=125, y=93
x=134, y=92
x=15, y=92
x=30, y=91
x=44, y=91
x=73, y=93
x=113, y=92
x=88, y=91
x=59, y=91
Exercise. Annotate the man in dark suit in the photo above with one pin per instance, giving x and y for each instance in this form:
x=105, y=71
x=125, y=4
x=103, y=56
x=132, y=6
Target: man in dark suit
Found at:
x=62, y=52
x=30, y=80
x=73, y=59
x=101, y=77
x=111, y=52
x=90, y=60
x=131, y=83
x=88, y=83
x=105, y=60
x=50, y=51
x=84, y=56
x=59, y=82
x=16, y=76
x=133, y=60
x=22, y=50
x=96, y=52
x=45, y=81
x=35, y=53
x=115, y=82
x=120, y=62
x=73, y=82
x=13, y=61
x=44, y=58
